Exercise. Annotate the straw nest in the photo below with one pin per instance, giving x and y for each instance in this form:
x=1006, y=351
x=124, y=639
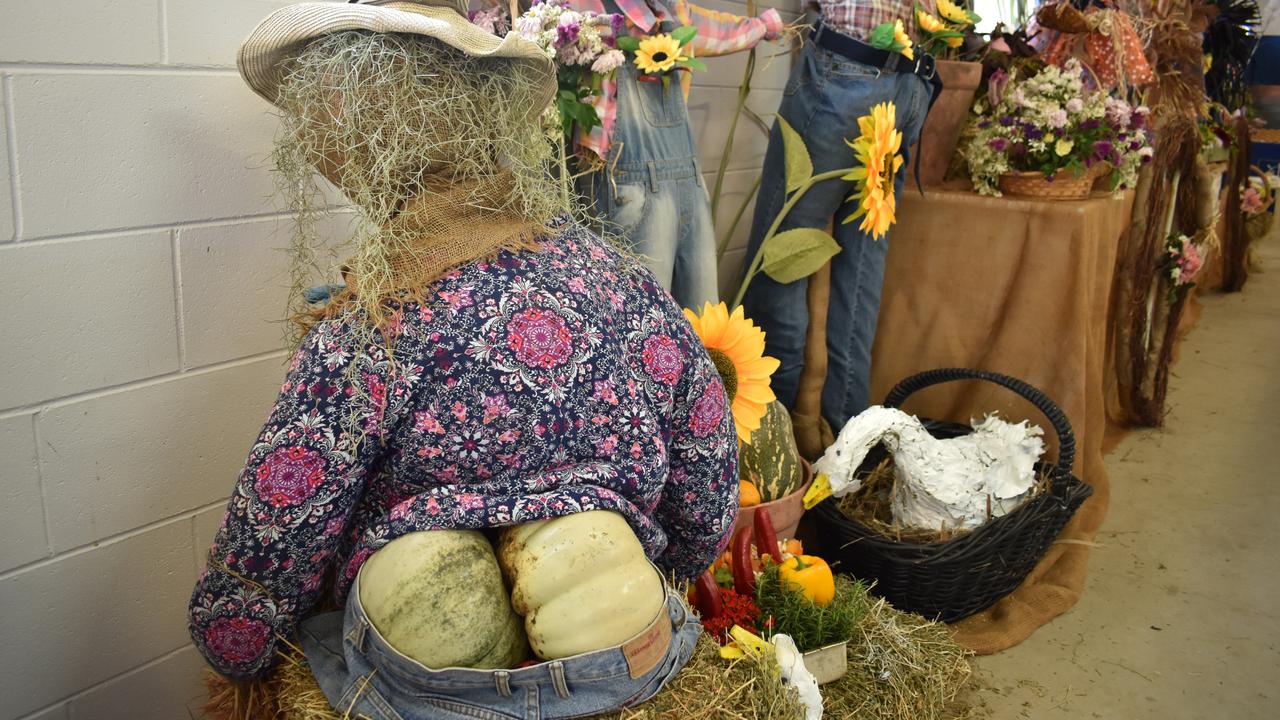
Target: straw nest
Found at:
x=901, y=667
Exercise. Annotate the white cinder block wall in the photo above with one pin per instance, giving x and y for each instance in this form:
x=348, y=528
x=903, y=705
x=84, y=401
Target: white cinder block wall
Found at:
x=140, y=287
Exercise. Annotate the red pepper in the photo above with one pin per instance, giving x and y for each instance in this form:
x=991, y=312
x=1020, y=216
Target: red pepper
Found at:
x=766, y=537
x=744, y=576
x=706, y=596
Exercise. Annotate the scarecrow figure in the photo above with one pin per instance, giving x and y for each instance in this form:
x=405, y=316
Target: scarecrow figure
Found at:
x=487, y=363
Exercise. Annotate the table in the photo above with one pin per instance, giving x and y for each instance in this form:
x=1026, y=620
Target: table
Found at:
x=1023, y=288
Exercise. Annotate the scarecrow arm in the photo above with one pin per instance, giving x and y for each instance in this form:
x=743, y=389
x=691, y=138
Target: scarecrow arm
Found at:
x=700, y=500
x=722, y=33
x=291, y=506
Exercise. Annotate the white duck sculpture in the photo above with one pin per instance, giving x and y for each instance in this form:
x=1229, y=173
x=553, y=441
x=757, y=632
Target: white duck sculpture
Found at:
x=953, y=483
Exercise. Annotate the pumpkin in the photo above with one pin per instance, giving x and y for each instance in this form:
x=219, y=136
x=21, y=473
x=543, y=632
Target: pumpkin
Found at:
x=582, y=582
x=437, y=596
x=771, y=461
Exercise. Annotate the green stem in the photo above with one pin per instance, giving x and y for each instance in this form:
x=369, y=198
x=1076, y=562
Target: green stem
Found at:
x=743, y=91
x=742, y=209
x=756, y=261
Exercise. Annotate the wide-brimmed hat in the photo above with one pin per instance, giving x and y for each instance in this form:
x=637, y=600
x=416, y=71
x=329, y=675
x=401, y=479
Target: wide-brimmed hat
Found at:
x=284, y=32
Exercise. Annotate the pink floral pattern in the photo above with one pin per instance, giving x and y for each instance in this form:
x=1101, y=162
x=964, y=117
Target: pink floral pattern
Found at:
x=518, y=392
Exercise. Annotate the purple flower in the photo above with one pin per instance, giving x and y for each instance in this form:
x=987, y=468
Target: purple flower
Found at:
x=1006, y=120
x=567, y=33
x=617, y=25
x=998, y=144
x=996, y=85
x=1018, y=150
x=1133, y=146
x=1102, y=149
x=1091, y=124
x=984, y=124
x=1032, y=132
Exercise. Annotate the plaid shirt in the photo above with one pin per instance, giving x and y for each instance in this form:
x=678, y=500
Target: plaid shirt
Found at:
x=719, y=33
x=856, y=18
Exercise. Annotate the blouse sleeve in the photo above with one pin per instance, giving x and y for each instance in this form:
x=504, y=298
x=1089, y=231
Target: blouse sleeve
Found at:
x=700, y=501
x=291, y=504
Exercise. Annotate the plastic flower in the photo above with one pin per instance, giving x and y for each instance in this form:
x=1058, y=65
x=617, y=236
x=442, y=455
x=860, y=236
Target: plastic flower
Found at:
x=953, y=12
x=608, y=62
x=658, y=53
x=876, y=149
x=736, y=347
x=954, y=42
x=1251, y=201
x=1063, y=147
x=929, y=23
x=900, y=37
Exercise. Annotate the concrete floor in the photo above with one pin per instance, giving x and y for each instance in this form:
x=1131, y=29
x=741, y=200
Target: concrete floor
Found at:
x=1180, y=617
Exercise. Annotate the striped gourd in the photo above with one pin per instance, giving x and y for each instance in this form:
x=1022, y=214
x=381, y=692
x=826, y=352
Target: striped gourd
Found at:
x=771, y=460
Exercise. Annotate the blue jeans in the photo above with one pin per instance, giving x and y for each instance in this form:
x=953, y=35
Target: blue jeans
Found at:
x=651, y=193
x=361, y=674
x=824, y=98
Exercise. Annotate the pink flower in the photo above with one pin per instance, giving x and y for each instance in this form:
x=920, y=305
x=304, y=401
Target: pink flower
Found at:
x=540, y=338
x=289, y=475
x=608, y=62
x=662, y=359
x=996, y=85
x=1251, y=201
x=1189, y=262
x=237, y=640
x=708, y=410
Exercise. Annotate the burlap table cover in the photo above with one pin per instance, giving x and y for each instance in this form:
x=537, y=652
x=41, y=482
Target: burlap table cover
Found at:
x=1022, y=288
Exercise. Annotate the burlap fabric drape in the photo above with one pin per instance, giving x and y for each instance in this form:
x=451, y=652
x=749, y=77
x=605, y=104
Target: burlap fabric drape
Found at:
x=1023, y=288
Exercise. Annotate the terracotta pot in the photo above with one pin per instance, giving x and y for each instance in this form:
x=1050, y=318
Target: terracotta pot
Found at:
x=946, y=120
x=785, y=512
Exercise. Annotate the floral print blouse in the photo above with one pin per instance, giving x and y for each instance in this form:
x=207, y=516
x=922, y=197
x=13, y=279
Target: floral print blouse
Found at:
x=535, y=385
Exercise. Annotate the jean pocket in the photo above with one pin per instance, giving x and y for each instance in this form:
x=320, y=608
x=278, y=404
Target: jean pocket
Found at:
x=838, y=66
x=626, y=207
x=443, y=708
x=661, y=101
x=362, y=701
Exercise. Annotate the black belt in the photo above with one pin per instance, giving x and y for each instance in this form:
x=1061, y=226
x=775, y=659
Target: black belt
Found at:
x=923, y=66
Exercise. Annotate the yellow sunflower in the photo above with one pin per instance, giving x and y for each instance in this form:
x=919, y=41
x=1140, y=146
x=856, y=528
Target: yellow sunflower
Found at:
x=954, y=13
x=929, y=23
x=658, y=53
x=736, y=346
x=876, y=149
x=901, y=37
x=955, y=42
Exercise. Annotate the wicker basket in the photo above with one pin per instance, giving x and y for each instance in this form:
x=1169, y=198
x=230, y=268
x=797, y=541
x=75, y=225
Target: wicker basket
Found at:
x=1063, y=186
x=953, y=579
x=1258, y=226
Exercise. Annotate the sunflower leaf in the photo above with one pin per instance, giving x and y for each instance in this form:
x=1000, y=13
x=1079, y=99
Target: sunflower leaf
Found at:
x=882, y=36
x=797, y=253
x=799, y=166
x=692, y=64
x=627, y=43
x=684, y=34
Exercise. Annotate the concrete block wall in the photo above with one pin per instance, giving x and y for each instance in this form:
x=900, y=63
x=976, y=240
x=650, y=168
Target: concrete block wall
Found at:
x=141, y=289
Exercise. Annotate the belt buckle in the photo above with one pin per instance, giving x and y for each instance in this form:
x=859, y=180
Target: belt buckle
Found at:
x=926, y=67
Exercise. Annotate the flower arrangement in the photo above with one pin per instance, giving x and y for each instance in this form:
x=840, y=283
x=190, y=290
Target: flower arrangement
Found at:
x=1181, y=263
x=877, y=150
x=583, y=46
x=660, y=54
x=944, y=33
x=1049, y=123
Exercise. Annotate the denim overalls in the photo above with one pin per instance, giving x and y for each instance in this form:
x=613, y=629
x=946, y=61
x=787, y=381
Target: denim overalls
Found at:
x=651, y=192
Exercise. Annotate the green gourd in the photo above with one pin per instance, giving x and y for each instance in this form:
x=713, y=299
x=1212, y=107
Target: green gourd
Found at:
x=438, y=597
x=771, y=460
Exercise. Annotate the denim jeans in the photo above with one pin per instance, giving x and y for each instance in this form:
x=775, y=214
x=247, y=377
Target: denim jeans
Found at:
x=652, y=194
x=361, y=674
x=823, y=100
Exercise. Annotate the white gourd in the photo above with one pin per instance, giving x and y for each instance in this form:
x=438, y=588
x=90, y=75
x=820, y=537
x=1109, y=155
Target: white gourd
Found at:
x=438, y=598
x=582, y=582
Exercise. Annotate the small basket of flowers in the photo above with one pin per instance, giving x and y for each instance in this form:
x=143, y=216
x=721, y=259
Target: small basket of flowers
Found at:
x=1048, y=137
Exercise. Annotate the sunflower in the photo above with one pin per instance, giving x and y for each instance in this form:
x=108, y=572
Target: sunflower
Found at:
x=736, y=347
x=929, y=23
x=658, y=53
x=877, y=153
x=900, y=37
x=954, y=13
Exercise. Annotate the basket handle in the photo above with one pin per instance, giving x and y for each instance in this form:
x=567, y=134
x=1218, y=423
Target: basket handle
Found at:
x=1057, y=418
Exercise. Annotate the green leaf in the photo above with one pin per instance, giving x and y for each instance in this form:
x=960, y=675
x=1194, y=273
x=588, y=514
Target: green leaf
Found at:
x=797, y=254
x=684, y=34
x=627, y=43
x=693, y=64
x=881, y=36
x=799, y=166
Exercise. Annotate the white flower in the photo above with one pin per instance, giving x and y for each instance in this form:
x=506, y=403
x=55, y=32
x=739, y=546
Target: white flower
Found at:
x=1057, y=118
x=608, y=62
x=1075, y=105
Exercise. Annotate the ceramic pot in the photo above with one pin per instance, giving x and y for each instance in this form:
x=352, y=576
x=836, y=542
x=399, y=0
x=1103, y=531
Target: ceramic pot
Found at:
x=946, y=120
x=785, y=512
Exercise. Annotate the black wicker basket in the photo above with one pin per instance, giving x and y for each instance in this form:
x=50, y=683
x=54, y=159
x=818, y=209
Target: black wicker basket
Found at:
x=953, y=579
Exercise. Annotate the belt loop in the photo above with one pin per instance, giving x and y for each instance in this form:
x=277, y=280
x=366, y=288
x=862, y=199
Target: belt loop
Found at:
x=557, y=680
x=653, y=176
x=892, y=64
x=361, y=630
x=502, y=682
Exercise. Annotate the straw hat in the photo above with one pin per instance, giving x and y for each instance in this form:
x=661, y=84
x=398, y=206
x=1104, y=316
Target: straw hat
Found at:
x=287, y=29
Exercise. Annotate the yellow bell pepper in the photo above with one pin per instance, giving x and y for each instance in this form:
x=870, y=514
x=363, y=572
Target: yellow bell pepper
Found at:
x=812, y=576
